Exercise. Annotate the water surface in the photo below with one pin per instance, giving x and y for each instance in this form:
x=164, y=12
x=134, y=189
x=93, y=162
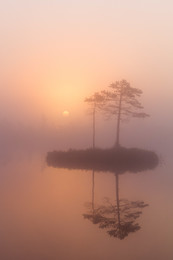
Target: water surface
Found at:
x=44, y=212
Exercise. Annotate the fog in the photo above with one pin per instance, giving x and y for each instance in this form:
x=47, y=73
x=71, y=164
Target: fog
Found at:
x=32, y=129
x=53, y=55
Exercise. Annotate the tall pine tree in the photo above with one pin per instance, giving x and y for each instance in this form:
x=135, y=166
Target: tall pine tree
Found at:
x=123, y=103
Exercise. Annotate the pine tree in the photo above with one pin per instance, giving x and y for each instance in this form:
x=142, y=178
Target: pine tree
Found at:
x=123, y=103
x=96, y=102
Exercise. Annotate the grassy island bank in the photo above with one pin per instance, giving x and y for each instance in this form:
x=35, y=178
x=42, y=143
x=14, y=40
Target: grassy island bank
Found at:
x=114, y=160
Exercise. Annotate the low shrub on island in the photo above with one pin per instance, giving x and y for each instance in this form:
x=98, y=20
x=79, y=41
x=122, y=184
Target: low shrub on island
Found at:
x=113, y=160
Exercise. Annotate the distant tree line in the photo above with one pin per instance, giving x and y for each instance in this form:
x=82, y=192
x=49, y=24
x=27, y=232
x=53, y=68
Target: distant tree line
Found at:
x=119, y=101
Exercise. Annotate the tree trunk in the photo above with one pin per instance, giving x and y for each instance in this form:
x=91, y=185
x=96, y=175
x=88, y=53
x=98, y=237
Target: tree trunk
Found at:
x=94, y=127
x=117, y=143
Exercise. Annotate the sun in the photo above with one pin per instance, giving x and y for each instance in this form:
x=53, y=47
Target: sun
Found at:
x=65, y=113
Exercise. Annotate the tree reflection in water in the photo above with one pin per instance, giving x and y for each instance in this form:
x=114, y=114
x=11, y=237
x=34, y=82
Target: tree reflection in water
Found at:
x=117, y=217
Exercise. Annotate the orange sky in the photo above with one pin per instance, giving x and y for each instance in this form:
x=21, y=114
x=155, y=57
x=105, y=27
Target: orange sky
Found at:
x=55, y=53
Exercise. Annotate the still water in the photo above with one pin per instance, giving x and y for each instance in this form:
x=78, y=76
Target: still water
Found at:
x=49, y=213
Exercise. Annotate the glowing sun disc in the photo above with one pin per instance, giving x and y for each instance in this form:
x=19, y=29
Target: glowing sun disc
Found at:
x=66, y=113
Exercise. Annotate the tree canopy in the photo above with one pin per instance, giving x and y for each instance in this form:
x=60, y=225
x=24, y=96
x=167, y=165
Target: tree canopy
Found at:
x=123, y=103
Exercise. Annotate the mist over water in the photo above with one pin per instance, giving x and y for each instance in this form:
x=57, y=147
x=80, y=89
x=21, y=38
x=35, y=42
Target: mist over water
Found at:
x=45, y=210
x=70, y=188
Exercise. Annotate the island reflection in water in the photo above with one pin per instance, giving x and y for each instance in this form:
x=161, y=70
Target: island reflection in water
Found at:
x=117, y=217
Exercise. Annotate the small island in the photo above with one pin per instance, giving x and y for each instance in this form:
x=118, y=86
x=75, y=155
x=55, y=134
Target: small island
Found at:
x=120, y=102
x=113, y=160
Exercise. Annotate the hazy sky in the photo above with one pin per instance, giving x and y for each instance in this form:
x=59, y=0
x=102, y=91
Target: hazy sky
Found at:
x=54, y=53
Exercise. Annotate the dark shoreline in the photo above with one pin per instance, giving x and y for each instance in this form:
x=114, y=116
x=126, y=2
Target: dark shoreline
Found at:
x=113, y=160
